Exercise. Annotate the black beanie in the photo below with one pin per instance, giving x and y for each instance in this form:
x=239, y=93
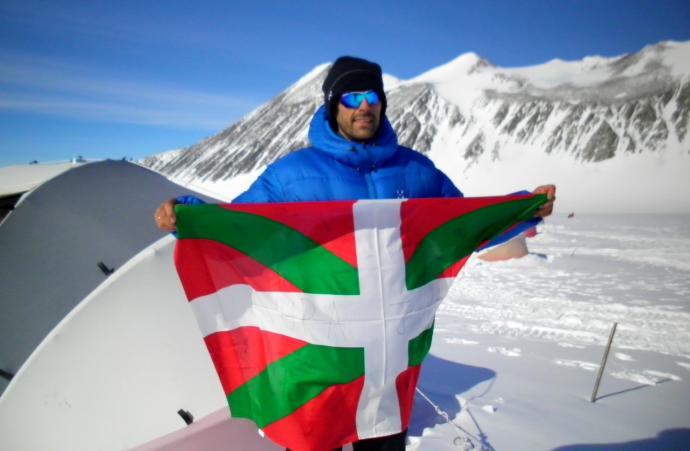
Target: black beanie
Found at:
x=349, y=74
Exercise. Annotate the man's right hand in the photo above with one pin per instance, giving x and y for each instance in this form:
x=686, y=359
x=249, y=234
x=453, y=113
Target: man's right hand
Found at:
x=165, y=216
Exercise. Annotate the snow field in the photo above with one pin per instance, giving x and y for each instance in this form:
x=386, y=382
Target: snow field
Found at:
x=518, y=343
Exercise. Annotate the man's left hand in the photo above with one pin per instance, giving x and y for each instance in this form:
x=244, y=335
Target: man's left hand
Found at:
x=546, y=209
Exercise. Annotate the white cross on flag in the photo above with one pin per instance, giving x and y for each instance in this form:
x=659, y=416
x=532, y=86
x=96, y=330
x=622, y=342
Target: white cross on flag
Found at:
x=317, y=315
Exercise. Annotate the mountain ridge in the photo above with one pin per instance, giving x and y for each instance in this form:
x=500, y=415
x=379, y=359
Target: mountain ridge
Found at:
x=469, y=114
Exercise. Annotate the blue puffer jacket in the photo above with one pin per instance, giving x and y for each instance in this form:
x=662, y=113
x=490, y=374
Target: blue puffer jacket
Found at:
x=336, y=169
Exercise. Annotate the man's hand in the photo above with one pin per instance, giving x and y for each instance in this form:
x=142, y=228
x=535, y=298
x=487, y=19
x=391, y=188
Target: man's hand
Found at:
x=165, y=216
x=546, y=209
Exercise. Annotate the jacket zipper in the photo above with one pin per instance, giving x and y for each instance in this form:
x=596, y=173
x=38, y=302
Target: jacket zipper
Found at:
x=371, y=187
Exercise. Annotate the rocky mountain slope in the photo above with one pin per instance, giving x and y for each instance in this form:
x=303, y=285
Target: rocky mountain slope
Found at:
x=470, y=116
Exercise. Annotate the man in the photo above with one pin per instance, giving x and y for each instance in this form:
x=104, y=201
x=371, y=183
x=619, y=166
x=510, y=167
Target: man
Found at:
x=354, y=154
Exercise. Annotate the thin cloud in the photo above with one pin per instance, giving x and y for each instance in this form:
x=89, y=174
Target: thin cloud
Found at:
x=109, y=22
x=143, y=28
x=111, y=112
x=61, y=89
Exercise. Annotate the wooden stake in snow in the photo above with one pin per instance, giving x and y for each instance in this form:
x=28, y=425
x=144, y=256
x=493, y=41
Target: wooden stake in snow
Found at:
x=603, y=364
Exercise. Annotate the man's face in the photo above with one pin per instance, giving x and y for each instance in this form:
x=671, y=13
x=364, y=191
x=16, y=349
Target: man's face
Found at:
x=358, y=124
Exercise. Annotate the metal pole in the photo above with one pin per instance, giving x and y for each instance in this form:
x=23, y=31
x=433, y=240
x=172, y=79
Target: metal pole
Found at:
x=603, y=364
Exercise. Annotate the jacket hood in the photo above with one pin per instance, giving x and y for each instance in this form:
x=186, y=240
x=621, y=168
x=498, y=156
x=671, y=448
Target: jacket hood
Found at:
x=356, y=154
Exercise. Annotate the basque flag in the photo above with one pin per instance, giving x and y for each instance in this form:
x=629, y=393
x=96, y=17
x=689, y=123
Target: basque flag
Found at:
x=317, y=315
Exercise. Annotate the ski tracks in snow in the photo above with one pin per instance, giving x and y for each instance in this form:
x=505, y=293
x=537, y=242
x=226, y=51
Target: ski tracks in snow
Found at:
x=574, y=298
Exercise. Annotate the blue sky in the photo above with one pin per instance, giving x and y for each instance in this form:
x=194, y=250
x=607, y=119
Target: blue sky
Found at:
x=107, y=79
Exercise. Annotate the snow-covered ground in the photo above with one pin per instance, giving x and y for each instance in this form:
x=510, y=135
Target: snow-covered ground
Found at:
x=518, y=343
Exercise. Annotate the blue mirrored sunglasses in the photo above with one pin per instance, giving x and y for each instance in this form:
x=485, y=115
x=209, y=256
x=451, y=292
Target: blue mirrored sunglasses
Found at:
x=354, y=99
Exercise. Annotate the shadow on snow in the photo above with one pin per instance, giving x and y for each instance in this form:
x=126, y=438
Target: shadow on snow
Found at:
x=441, y=381
x=637, y=387
x=670, y=439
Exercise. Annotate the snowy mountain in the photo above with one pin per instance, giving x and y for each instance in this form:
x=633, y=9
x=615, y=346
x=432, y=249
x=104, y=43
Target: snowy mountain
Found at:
x=610, y=122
